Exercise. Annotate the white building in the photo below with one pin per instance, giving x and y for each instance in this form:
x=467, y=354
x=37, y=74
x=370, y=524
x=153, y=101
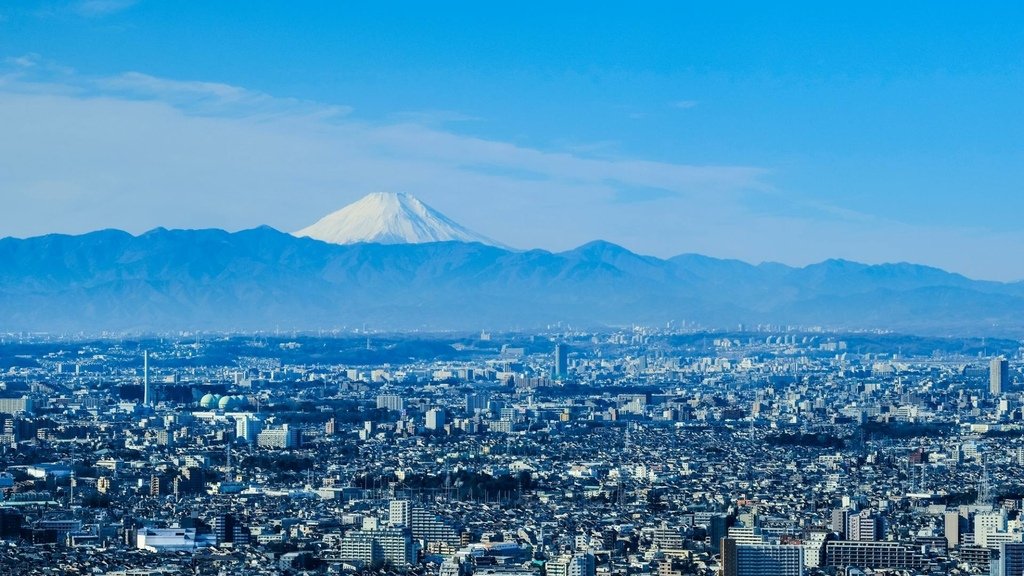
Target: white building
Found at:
x=283, y=437
x=166, y=539
x=247, y=428
x=435, y=419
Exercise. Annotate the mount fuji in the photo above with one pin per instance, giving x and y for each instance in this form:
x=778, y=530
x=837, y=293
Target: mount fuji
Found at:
x=390, y=218
x=393, y=263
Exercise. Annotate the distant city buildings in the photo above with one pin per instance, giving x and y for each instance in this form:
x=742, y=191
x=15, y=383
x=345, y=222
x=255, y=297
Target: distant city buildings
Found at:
x=797, y=452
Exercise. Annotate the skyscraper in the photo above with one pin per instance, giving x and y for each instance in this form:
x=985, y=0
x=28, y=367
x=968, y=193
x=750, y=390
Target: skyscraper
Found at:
x=147, y=398
x=561, y=368
x=998, y=375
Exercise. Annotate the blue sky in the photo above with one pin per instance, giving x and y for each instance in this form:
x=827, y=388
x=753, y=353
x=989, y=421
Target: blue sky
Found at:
x=870, y=131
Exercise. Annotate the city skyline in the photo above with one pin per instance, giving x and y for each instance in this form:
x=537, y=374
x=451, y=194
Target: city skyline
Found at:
x=495, y=289
x=796, y=136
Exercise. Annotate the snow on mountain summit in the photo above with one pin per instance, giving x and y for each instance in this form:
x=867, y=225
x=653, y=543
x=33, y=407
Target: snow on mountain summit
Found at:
x=389, y=218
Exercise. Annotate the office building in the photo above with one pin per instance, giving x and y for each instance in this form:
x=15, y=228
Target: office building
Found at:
x=166, y=539
x=229, y=531
x=987, y=525
x=1010, y=561
x=840, y=519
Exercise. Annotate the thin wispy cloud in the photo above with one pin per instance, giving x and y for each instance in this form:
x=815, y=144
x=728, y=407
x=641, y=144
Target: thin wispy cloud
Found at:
x=22, y=62
x=432, y=117
x=99, y=8
x=195, y=153
x=136, y=151
x=685, y=104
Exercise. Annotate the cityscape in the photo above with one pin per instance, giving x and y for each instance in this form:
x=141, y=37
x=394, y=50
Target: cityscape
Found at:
x=511, y=289
x=647, y=450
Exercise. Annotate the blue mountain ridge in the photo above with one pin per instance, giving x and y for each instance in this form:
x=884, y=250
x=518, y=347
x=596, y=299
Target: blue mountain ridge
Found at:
x=259, y=279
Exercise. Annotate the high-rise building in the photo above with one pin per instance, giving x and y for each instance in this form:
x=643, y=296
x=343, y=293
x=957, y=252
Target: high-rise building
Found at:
x=400, y=513
x=477, y=402
x=998, y=375
x=147, y=395
x=759, y=559
x=987, y=525
x=561, y=367
x=430, y=528
x=392, y=545
x=862, y=527
x=840, y=517
x=283, y=437
x=1010, y=561
x=952, y=523
x=435, y=419
x=717, y=526
x=228, y=530
x=247, y=428
x=16, y=405
x=392, y=402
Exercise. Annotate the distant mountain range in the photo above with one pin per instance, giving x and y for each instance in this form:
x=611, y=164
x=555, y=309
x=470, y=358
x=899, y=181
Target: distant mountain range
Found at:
x=263, y=279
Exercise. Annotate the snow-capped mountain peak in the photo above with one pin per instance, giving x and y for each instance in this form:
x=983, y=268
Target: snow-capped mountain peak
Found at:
x=389, y=218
